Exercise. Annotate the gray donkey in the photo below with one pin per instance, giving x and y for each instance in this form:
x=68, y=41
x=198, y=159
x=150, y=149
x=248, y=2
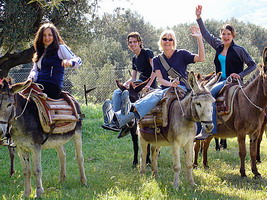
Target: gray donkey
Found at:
x=183, y=115
x=30, y=138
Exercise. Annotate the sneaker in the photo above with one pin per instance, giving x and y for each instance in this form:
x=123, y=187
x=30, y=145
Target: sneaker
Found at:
x=125, y=130
x=4, y=142
x=111, y=127
x=203, y=135
x=107, y=111
x=125, y=102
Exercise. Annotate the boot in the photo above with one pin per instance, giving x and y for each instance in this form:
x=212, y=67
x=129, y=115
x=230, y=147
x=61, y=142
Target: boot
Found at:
x=203, y=135
x=107, y=111
x=125, y=102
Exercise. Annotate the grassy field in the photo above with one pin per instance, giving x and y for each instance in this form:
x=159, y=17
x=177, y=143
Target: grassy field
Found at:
x=108, y=165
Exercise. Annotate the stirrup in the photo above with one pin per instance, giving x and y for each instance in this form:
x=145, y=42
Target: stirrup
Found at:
x=125, y=130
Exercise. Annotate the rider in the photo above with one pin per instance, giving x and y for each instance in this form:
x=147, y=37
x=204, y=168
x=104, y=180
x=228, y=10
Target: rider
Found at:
x=142, y=63
x=177, y=59
x=229, y=59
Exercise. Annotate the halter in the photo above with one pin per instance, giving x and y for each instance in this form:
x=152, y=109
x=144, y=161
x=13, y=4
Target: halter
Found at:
x=192, y=117
x=258, y=107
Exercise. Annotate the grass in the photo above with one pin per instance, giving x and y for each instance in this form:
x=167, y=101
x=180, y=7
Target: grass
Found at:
x=108, y=165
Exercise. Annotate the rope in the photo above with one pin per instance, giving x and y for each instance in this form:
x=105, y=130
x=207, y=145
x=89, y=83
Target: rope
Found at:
x=28, y=99
x=180, y=104
x=175, y=90
x=155, y=124
x=240, y=86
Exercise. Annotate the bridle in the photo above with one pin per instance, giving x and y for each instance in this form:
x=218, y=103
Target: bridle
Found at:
x=194, y=115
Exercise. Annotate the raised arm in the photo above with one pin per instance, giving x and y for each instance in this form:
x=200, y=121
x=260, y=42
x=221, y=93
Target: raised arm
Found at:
x=200, y=57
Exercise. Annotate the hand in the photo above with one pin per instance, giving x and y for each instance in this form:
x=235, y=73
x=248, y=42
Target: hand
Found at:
x=146, y=88
x=175, y=83
x=66, y=63
x=196, y=32
x=234, y=75
x=198, y=11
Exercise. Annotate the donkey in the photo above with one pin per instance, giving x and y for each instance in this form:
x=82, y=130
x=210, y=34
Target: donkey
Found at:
x=30, y=138
x=183, y=115
x=248, y=118
x=134, y=94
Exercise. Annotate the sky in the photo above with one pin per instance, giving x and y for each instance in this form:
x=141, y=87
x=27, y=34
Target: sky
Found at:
x=166, y=13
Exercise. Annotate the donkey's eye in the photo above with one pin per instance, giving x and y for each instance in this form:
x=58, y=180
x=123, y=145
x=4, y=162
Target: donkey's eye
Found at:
x=9, y=105
x=198, y=104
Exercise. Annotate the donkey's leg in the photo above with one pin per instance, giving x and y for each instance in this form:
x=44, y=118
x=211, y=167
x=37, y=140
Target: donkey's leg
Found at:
x=25, y=162
x=135, y=144
x=37, y=170
x=176, y=163
x=196, y=148
x=189, y=153
x=79, y=155
x=62, y=161
x=12, y=157
x=206, y=144
x=253, y=154
x=242, y=153
x=143, y=153
x=154, y=164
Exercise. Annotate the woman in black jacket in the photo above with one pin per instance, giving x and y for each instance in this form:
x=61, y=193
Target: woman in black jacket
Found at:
x=229, y=59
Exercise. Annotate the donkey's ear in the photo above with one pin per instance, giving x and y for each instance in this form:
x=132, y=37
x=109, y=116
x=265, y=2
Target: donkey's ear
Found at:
x=15, y=88
x=213, y=81
x=121, y=86
x=140, y=86
x=264, y=56
x=193, y=82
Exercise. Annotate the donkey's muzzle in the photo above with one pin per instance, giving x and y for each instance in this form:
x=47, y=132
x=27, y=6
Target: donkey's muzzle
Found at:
x=208, y=126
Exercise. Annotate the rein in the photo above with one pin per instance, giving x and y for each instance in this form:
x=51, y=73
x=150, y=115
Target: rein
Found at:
x=258, y=107
x=27, y=101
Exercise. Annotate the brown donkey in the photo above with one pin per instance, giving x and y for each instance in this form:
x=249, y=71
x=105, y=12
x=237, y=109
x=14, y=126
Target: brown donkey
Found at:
x=248, y=118
x=195, y=107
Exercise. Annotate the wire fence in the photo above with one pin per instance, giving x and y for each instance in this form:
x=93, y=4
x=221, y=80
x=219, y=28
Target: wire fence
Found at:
x=98, y=95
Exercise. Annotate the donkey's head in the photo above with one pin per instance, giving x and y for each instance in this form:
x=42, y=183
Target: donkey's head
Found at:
x=7, y=92
x=263, y=71
x=202, y=100
x=134, y=89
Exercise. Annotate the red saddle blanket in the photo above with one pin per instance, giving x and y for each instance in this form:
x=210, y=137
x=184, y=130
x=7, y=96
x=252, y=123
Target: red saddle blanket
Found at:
x=57, y=116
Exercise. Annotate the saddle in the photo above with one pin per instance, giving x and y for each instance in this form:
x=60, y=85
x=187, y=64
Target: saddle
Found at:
x=224, y=102
x=57, y=116
x=158, y=117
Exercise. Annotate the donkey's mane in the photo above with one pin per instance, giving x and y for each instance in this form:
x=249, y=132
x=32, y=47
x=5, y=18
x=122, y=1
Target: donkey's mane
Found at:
x=253, y=77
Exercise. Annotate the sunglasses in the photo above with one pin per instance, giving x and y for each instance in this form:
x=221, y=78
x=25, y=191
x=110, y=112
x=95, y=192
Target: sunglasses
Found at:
x=167, y=39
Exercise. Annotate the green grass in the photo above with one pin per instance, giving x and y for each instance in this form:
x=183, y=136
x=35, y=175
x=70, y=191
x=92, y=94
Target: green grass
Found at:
x=108, y=165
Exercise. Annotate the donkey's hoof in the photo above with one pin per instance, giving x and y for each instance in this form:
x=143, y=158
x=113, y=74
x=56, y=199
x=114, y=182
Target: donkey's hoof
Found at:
x=258, y=176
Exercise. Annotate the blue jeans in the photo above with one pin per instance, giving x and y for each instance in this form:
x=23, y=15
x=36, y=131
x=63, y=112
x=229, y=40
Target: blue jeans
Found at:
x=143, y=106
x=214, y=92
x=116, y=100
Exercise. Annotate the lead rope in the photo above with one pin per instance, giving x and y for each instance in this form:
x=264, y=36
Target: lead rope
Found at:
x=240, y=86
x=155, y=124
x=175, y=90
x=28, y=99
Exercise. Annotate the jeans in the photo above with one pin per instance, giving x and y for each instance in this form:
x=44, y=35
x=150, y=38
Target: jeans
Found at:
x=143, y=106
x=214, y=92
